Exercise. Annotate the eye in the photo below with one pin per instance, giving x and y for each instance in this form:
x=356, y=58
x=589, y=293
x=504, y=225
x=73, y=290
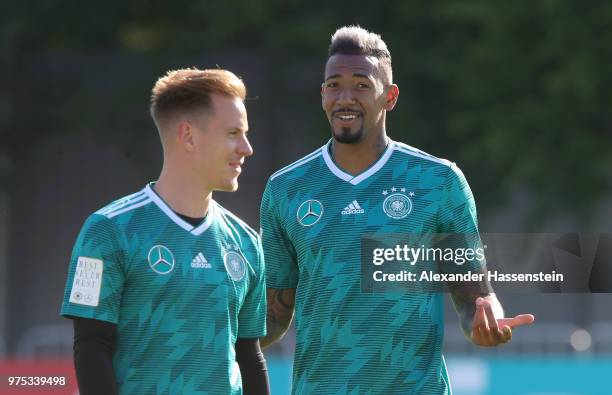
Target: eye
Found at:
x=331, y=85
x=363, y=85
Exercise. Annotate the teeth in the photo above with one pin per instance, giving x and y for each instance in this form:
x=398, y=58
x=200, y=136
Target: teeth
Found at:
x=347, y=117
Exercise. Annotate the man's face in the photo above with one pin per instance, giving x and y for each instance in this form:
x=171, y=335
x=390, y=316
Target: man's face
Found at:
x=354, y=96
x=221, y=145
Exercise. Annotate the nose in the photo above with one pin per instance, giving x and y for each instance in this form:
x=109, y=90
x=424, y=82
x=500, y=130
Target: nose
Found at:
x=244, y=147
x=346, y=96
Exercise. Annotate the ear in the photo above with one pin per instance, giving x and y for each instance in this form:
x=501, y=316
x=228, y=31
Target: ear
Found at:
x=184, y=132
x=391, y=97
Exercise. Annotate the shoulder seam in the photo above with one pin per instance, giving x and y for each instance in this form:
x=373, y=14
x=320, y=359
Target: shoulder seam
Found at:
x=125, y=209
x=297, y=164
x=424, y=155
x=123, y=202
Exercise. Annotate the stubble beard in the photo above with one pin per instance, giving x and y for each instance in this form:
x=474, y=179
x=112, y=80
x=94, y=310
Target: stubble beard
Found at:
x=348, y=137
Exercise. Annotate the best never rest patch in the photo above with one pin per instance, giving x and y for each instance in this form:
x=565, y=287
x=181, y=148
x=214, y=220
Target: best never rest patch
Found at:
x=87, y=281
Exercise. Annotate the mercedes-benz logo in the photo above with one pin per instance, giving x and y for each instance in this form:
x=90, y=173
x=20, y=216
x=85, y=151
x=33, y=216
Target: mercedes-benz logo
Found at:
x=309, y=212
x=161, y=259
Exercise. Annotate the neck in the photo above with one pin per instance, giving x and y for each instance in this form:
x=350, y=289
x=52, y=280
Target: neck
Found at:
x=355, y=158
x=182, y=194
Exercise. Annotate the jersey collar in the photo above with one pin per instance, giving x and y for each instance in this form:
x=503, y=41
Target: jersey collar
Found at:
x=363, y=175
x=194, y=230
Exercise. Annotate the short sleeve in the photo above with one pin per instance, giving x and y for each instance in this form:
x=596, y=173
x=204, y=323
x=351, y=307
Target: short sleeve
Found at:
x=252, y=316
x=95, y=276
x=457, y=208
x=458, y=221
x=281, y=262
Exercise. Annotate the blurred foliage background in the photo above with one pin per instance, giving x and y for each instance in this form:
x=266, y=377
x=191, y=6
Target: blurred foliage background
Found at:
x=517, y=93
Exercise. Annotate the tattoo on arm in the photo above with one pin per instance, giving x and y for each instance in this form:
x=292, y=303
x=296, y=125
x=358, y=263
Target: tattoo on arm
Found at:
x=281, y=304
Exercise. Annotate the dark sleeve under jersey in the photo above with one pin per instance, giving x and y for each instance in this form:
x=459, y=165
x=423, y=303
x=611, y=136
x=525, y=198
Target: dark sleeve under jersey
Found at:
x=253, y=367
x=95, y=343
x=94, y=346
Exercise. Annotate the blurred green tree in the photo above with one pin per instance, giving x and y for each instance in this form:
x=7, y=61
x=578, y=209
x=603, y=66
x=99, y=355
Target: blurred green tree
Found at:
x=518, y=93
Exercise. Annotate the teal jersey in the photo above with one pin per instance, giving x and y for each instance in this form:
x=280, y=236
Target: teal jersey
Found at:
x=180, y=295
x=313, y=215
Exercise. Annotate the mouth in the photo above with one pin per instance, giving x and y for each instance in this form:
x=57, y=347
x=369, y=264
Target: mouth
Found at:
x=346, y=116
x=236, y=166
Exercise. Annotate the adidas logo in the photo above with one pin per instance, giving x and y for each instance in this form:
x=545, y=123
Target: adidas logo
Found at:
x=200, y=262
x=353, y=208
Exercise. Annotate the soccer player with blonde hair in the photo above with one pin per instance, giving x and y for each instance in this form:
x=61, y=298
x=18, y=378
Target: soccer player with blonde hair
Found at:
x=165, y=287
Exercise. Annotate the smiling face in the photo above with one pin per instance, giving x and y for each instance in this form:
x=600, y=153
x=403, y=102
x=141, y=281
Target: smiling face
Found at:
x=356, y=97
x=220, y=144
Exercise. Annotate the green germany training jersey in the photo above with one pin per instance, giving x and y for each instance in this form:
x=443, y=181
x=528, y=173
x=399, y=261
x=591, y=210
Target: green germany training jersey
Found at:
x=313, y=215
x=180, y=295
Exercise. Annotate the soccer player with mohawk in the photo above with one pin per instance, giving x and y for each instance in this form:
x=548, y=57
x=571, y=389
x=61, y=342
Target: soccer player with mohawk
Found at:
x=313, y=215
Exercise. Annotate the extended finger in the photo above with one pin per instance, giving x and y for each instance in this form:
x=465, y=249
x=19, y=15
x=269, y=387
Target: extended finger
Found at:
x=519, y=320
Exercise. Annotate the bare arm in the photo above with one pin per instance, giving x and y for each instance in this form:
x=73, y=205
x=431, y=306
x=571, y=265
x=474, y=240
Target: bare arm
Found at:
x=281, y=303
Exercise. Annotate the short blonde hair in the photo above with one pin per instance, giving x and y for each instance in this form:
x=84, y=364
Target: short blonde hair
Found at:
x=189, y=90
